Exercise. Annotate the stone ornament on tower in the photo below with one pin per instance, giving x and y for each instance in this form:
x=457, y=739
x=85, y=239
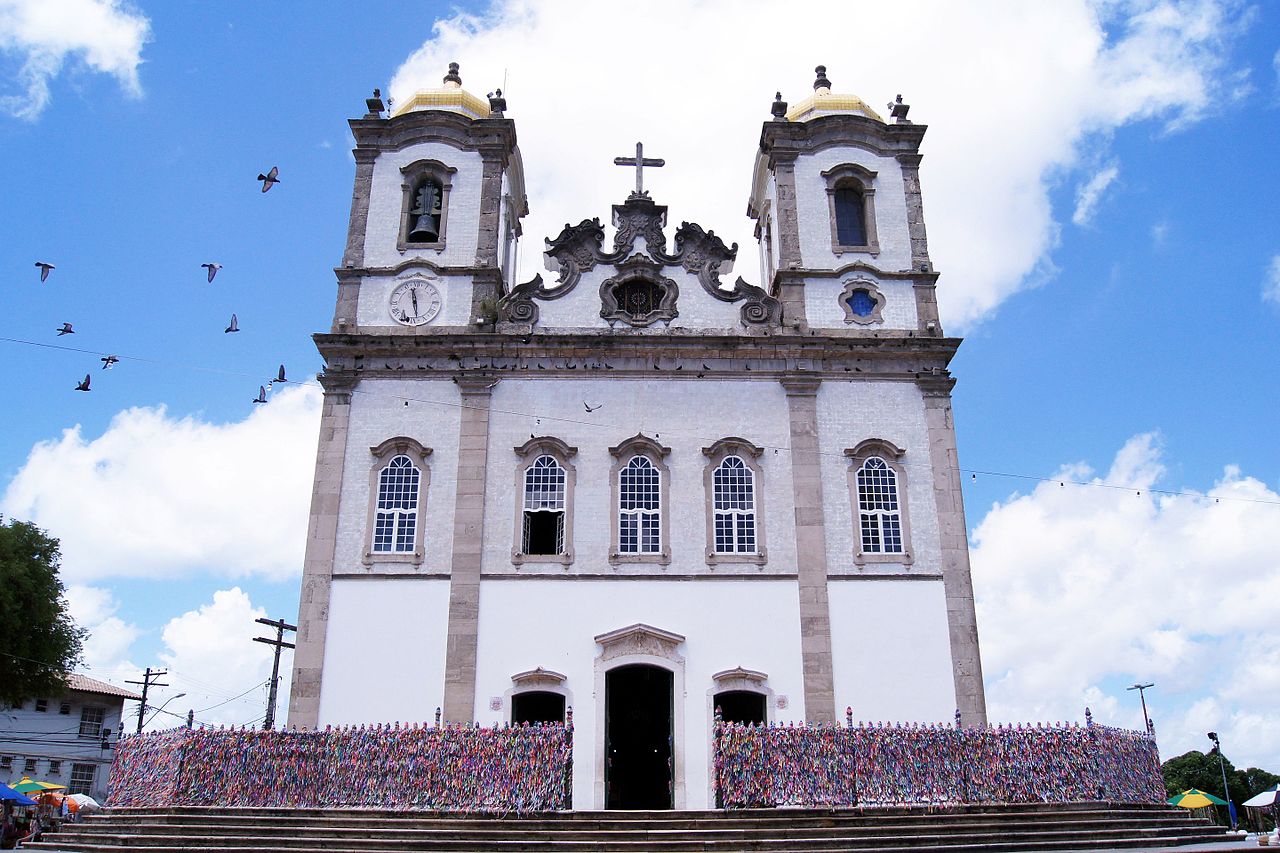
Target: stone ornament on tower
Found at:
x=452, y=77
x=778, y=108
x=822, y=82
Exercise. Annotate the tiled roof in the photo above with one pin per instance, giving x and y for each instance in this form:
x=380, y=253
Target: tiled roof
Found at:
x=85, y=684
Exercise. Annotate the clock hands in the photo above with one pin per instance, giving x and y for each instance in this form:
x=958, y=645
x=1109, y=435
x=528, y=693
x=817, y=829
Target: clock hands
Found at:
x=413, y=294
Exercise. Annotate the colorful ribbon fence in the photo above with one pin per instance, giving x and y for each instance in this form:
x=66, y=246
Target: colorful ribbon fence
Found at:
x=464, y=769
x=928, y=765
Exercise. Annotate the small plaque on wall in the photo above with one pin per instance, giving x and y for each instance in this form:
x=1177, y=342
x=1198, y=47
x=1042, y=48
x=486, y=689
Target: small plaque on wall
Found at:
x=495, y=703
x=782, y=701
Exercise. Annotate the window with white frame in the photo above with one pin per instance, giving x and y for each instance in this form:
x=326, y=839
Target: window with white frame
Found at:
x=91, y=721
x=639, y=507
x=734, y=497
x=55, y=767
x=544, y=505
x=81, y=778
x=877, y=485
x=396, y=519
x=398, y=481
x=29, y=766
x=879, y=516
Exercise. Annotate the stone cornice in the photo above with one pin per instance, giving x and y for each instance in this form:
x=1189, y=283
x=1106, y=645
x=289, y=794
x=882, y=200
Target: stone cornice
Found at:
x=491, y=137
x=784, y=141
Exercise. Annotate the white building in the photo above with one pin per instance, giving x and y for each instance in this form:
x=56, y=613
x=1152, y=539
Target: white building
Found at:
x=68, y=740
x=640, y=489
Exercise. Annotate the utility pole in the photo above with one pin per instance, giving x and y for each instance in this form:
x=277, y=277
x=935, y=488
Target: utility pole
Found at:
x=147, y=684
x=1141, y=688
x=281, y=626
x=1231, y=807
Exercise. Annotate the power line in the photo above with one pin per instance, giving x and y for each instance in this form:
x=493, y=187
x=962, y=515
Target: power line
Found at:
x=537, y=417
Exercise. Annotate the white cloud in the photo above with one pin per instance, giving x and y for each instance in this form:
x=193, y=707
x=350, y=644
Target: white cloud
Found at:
x=106, y=35
x=1082, y=590
x=156, y=496
x=106, y=648
x=1013, y=93
x=1271, y=285
x=1090, y=193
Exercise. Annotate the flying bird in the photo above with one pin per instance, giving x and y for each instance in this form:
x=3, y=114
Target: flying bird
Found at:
x=280, y=375
x=44, y=269
x=262, y=395
x=65, y=330
x=83, y=385
x=109, y=361
x=269, y=178
x=591, y=408
x=235, y=325
x=213, y=269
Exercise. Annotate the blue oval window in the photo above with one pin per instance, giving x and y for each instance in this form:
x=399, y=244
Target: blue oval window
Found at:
x=861, y=302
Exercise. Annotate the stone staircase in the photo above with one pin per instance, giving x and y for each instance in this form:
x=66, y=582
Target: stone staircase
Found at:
x=1077, y=826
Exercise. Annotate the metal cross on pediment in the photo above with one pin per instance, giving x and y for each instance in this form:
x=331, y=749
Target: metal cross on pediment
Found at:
x=639, y=162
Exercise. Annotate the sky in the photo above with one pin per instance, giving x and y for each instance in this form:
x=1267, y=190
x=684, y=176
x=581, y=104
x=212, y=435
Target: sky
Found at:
x=1099, y=183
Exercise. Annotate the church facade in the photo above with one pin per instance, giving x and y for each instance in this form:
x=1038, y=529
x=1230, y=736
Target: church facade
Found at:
x=636, y=489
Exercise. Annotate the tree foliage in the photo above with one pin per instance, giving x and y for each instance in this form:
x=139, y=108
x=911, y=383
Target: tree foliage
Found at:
x=1201, y=770
x=39, y=642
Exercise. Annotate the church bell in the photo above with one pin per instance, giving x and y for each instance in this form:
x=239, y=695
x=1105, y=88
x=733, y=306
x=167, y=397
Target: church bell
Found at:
x=426, y=212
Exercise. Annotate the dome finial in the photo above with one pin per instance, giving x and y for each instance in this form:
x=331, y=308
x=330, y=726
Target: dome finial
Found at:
x=822, y=82
x=452, y=76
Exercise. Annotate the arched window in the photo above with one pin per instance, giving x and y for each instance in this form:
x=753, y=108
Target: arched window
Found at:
x=735, y=507
x=878, y=486
x=639, y=502
x=424, y=212
x=397, y=487
x=851, y=195
x=851, y=217
x=544, y=507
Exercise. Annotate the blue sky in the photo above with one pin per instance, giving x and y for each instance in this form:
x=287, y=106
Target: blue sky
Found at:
x=1127, y=337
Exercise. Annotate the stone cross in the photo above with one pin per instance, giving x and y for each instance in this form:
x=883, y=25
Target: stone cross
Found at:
x=639, y=162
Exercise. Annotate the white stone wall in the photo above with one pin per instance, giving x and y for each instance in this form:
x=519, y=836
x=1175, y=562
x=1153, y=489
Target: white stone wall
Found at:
x=378, y=412
x=824, y=309
x=386, y=201
x=530, y=623
x=813, y=211
x=375, y=294
x=889, y=650
x=384, y=658
x=850, y=413
x=685, y=415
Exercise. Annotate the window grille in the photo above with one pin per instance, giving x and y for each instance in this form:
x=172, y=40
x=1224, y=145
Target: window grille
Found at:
x=64, y=709
x=733, y=489
x=851, y=224
x=91, y=721
x=81, y=778
x=639, y=499
x=396, y=521
x=29, y=765
x=544, y=504
x=639, y=297
x=6, y=763
x=55, y=767
x=878, y=508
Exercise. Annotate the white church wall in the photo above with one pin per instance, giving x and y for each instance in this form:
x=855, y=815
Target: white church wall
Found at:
x=374, y=308
x=525, y=624
x=890, y=654
x=386, y=197
x=378, y=412
x=823, y=302
x=683, y=414
x=384, y=660
x=852, y=412
x=813, y=211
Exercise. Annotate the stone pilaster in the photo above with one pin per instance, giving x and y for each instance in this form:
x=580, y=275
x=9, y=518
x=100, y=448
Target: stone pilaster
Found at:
x=790, y=287
x=488, y=285
x=317, y=565
x=353, y=256
x=468, y=540
x=962, y=621
x=811, y=550
x=915, y=211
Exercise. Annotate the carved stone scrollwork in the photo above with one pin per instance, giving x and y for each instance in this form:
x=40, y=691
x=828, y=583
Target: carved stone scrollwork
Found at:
x=574, y=251
x=702, y=253
x=639, y=217
x=518, y=305
x=760, y=309
x=639, y=295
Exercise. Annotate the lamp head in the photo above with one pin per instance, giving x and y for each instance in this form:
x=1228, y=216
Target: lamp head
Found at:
x=1213, y=736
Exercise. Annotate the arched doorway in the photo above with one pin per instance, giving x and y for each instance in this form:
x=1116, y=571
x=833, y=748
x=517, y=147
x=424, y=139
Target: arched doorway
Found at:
x=537, y=706
x=638, y=737
x=741, y=706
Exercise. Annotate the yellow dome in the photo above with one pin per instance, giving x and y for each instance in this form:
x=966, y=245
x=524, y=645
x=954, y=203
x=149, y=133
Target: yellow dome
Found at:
x=451, y=97
x=824, y=102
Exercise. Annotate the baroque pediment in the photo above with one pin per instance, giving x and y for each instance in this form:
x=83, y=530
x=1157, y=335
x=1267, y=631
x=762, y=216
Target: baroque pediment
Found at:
x=639, y=639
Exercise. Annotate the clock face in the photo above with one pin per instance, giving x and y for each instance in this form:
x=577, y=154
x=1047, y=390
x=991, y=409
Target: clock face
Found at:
x=414, y=302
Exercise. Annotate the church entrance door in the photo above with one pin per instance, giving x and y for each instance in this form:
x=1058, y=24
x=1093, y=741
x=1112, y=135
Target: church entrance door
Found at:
x=637, y=737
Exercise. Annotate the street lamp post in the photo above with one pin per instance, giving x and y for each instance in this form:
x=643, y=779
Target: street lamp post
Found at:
x=1231, y=809
x=1141, y=688
x=166, y=702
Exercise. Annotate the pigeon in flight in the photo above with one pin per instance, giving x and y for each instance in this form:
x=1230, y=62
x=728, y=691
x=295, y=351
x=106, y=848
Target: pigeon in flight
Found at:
x=235, y=325
x=269, y=178
x=84, y=385
x=213, y=269
x=262, y=395
x=109, y=361
x=591, y=408
x=44, y=269
x=65, y=330
x=280, y=375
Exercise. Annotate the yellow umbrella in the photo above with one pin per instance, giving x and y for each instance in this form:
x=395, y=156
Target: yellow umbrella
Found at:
x=1194, y=798
x=26, y=785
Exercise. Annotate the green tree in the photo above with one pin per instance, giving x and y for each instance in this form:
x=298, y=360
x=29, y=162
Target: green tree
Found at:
x=39, y=642
x=1195, y=769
